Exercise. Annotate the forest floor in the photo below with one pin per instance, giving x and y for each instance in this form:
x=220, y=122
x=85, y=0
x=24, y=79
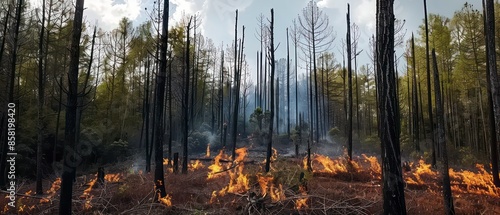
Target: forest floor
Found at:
x=215, y=186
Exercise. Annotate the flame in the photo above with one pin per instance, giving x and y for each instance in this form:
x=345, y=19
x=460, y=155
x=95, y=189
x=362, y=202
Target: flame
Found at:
x=86, y=195
x=375, y=169
x=208, y=151
x=195, y=165
x=333, y=166
x=165, y=161
x=167, y=200
x=422, y=172
x=56, y=185
x=238, y=182
x=478, y=183
x=302, y=202
x=267, y=187
x=113, y=177
x=213, y=197
x=216, y=167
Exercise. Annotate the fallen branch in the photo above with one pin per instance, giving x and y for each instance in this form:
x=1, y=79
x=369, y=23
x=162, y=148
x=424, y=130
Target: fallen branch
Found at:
x=24, y=195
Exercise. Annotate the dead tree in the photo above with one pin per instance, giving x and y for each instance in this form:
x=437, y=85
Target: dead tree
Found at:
x=159, y=178
x=349, y=85
x=236, y=94
x=429, y=99
x=441, y=140
x=69, y=167
x=185, y=104
x=41, y=90
x=415, y=117
x=493, y=86
x=271, y=50
x=388, y=109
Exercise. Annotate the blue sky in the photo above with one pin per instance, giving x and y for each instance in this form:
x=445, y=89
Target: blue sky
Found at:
x=218, y=18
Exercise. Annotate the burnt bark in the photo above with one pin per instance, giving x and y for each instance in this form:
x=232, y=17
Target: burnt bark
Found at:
x=71, y=158
x=493, y=86
x=159, y=178
x=388, y=109
x=441, y=140
x=429, y=99
x=349, y=85
x=271, y=89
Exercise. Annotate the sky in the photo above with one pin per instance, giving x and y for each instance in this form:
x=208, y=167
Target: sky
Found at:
x=217, y=18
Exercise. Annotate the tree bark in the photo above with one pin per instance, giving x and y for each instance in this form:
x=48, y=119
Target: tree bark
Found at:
x=159, y=178
x=41, y=90
x=429, y=99
x=185, y=105
x=441, y=140
x=271, y=115
x=71, y=159
x=237, y=90
x=393, y=184
x=494, y=86
x=415, y=117
x=349, y=84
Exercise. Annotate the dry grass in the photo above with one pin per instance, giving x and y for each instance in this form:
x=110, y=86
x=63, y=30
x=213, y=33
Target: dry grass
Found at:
x=352, y=192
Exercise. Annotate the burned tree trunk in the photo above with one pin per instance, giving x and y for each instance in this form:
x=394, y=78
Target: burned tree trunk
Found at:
x=234, y=131
x=441, y=140
x=159, y=179
x=493, y=86
x=349, y=84
x=389, y=124
x=185, y=104
x=71, y=109
x=429, y=99
x=415, y=117
x=41, y=90
x=271, y=89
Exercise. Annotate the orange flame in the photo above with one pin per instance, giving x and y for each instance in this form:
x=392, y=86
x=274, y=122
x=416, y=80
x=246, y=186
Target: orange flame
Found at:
x=56, y=185
x=216, y=167
x=238, y=182
x=302, y=202
x=340, y=165
x=167, y=200
x=194, y=165
x=208, y=151
x=375, y=169
x=422, y=172
x=113, y=177
x=267, y=187
x=478, y=183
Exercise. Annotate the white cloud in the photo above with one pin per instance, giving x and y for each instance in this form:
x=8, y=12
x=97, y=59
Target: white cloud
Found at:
x=110, y=12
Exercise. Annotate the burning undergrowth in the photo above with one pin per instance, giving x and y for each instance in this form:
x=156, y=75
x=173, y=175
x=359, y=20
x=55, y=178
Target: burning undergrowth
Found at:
x=224, y=185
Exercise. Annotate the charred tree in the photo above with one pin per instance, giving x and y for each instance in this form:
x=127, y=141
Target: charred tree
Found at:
x=429, y=99
x=493, y=86
x=69, y=166
x=3, y=162
x=237, y=78
x=349, y=85
x=185, y=104
x=441, y=140
x=41, y=92
x=271, y=89
x=415, y=108
x=287, y=84
x=159, y=178
x=388, y=109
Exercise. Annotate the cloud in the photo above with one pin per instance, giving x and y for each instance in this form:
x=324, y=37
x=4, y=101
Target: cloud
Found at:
x=214, y=14
x=110, y=12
